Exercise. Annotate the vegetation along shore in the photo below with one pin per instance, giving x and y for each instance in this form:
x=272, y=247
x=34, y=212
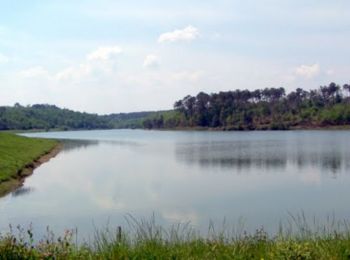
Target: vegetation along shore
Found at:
x=148, y=240
x=326, y=107
x=19, y=156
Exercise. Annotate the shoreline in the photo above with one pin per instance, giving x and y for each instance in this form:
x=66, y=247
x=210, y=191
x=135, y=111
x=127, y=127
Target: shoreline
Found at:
x=230, y=129
x=199, y=128
x=11, y=185
x=235, y=128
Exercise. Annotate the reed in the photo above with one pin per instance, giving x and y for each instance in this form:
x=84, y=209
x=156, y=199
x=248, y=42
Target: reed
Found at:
x=299, y=238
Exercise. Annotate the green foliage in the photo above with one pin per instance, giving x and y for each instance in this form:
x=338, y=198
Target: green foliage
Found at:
x=164, y=119
x=261, y=109
x=335, y=115
x=127, y=120
x=48, y=117
x=147, y=240
x=17, y=152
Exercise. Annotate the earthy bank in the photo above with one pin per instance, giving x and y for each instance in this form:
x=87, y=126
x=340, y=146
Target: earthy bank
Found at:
x=19, y=156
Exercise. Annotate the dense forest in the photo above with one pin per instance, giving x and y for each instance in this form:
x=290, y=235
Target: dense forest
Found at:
x=262, y=109
x=45, y=117
x=128, y=120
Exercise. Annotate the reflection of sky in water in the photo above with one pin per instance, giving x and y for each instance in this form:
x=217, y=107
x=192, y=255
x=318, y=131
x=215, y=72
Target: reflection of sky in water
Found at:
x=184, y=176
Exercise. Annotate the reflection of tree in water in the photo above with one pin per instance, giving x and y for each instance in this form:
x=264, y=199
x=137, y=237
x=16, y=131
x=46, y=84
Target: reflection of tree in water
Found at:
x=69, y=145
x=328, y=161
x=22, y=191
x=333, y=163
x=264, y=155
x=244, y=163
x=237, y=155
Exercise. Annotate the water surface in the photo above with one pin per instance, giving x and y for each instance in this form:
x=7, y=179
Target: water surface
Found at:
x=195, y=177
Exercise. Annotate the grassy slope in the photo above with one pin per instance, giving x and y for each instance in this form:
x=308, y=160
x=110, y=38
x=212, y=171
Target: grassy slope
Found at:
x=16, y=152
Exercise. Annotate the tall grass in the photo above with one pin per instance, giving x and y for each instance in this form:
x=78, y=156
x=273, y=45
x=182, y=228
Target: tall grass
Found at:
x=300, y=238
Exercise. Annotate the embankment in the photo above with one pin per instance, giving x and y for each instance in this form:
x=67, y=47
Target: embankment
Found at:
x=19, y=156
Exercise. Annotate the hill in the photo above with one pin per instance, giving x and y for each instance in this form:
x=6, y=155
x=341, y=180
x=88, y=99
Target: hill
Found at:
x=44, y=116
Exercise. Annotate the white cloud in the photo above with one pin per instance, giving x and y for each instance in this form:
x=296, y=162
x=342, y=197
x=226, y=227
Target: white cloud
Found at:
x=151, y=61
x=3, y=58
x=77, y=72
x=308, y=71
x=34, y=72
x=330, y=72
x=104, y=53
x=187, y=34
x=191, y=76
x=97, y=62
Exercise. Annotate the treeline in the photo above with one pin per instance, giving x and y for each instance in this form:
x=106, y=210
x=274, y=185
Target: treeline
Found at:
x=45, y=117
x=128, y=120
x=269, y=108
x=42, y=116
x=261, y=109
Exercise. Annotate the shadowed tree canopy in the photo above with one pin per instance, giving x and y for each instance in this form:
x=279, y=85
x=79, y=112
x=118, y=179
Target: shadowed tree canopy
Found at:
x=268, y=108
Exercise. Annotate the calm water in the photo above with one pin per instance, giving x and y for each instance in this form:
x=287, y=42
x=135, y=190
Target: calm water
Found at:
x=100, y=176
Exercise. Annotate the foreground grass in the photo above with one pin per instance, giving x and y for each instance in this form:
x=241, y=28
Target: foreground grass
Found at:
x=18, y=152
x=150, y=241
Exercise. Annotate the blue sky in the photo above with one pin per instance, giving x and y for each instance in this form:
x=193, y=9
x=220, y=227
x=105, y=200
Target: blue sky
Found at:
x=119, y=56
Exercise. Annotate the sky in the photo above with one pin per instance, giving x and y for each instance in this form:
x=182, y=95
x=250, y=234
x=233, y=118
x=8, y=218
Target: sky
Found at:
x=122, y=56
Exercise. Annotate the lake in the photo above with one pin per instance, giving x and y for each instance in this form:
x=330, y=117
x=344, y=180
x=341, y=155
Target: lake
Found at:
x=184, y=176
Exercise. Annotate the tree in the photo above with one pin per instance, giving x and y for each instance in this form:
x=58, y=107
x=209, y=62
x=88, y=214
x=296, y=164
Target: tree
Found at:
x=266, y=108
x=346, y=87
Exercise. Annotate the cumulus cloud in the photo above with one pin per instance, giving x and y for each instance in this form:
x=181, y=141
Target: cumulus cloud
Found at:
x=99, y=61
x=308, y=71
x=189, y=33
x=76, y=72
x=34, y=72
x=3, y=58
x=104, y=53
x=151, y=61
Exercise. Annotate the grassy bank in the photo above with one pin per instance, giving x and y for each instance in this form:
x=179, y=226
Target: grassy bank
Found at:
x=150, y=241
x=19, y=156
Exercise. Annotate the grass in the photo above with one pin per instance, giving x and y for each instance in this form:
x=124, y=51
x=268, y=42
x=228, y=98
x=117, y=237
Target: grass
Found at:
x=147, y=240
x=18, y=152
